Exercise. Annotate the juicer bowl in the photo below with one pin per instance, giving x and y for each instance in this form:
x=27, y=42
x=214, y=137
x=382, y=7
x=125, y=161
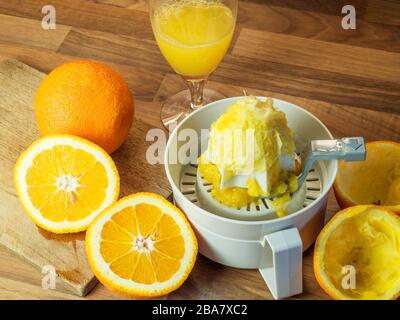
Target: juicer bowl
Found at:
x=274, y=246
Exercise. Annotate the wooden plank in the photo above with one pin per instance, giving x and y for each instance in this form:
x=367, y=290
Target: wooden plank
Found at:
x=316, y=25
x=15, y=290
x=19, y=279
x=143, y=83
x=317, y=19
x=281, y=77
x=383, y=11
x=121, y=49
x=210, y=280
x=85, y=14
x=343, y=120
x=328, y=7
x=303, y=19
x=30, y=33
x=344, y=59
x=118, y=3
x=241, y=70
x=141, y=5
x=332, y=7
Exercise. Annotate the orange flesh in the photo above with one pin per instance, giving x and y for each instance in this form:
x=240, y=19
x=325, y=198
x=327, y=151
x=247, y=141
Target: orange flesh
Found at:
x=374, y=181
x=66, y=184
x=367, y=240
x=143, y=244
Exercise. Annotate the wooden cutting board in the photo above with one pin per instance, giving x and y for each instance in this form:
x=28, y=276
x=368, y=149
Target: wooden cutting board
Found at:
x=17, y=232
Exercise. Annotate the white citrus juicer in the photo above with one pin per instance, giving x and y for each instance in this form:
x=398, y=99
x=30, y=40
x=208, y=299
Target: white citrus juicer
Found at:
x=254, y=237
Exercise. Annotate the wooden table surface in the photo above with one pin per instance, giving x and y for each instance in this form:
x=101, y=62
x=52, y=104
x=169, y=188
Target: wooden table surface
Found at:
x=290, y=49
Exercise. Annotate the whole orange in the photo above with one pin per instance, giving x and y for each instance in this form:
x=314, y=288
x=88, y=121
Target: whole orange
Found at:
x=86, y=99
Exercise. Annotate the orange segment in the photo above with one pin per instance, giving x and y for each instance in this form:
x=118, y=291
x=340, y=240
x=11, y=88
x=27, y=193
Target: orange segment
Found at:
x=357, y=254
x=77, y=207
x=112, y=250
x=165, y=228
x=39, y=195
x=60, y=207
x=81, y=163
x=373, y=181
x=94, y=175
x=144, y=272
x=37, y=175
x=90, y=197
x=118, y=266
x=142, y=245
x=64, y=181
x=55, y=207
x=173, y=247
x=126, y=219
x=63, y=158
x=114, y=232
x=164, y=266
x=147, y=216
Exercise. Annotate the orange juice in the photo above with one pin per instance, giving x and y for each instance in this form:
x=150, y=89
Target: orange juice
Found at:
x=193, y=35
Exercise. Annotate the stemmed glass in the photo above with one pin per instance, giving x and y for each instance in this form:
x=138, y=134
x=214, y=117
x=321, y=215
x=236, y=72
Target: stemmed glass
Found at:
x=193, y=36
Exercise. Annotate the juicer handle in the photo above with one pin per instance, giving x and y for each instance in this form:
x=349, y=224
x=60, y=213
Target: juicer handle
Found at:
x=347, y=149
x=285, y=276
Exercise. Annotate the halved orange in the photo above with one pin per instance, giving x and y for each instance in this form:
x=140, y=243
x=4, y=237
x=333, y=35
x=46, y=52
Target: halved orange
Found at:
x=373, y=181
x=64, y=182
x=357, y=254
x=142, y=246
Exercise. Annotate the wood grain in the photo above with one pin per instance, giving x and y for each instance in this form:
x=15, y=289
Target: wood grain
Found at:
x=296, y=18
x=20, y=280
x=316, y=54
x=383, y=11
x=310, y=24
x=288, y=49
x=342, y=120
x=309, y=83
x=85, y=14
x=279, y=76
x=332, y=7
x=122, y=49
x=30, y=32
x=141, y=5
x=143, y=83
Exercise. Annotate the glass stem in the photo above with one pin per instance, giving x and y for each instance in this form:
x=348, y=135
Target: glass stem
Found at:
x=196, y=87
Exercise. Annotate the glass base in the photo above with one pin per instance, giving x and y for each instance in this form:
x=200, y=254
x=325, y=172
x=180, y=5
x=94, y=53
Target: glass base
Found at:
x=177, y=107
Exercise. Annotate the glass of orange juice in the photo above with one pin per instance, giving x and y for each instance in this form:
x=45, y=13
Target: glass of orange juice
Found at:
x=193, y=36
